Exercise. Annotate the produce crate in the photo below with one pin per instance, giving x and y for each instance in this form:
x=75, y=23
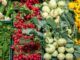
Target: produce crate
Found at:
x=11, y=51
x=5, y=39
x=11, y=43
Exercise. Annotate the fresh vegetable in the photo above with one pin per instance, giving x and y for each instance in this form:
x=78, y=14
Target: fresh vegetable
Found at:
x=49, y=40
x=43, y=29
x=46, y=9
x=56, y=8
x=61, y=49
x=55, y=53
x=61, y=56
x=61, y=3
x=45, y=3
x=62, y=41
x=52, y=4
x=50, y=48
x=4, y=2
x=5, y=39
x=47, y=56
x=55, y=44
x=69, y=56
x=70, y=50
x=45, y=14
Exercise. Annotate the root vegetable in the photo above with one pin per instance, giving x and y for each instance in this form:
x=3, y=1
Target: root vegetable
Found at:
x=61, y=3
x=45, y=14
x=59, y=10
x=55, y=44
x=46, y=9
x=61, y=56
x=69, y=56
x=57, y=19
x=52, y=4
x=61, y=49
x=45, y=4
x=49, y=40
x=62, y=41
x=50, y=48
x=70, y=50
x=47, y=56
x=55, y=53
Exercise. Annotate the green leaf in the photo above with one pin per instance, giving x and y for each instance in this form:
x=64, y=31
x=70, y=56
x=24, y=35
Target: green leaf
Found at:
x=40, y=35
x=77, y=51
x=0, y=23
x=77, y=47
x=63, y=24
x=52, y=23
x=42, y=23
x=64, y=35
x=69, y=45
x=69, y=40
x=0, y=53
x=26, y=11
x=28, y=31
x=36, y=22
x=5, y=47
x=70, y=18
x=63, y=18
x=24, y=41
x=1, y=8
x=32, y=31
x=38, y=5
x=77, y=55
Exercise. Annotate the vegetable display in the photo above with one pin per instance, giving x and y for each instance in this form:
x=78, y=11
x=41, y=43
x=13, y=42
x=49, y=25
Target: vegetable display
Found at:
x=39, y=30
x=5, y=37
x=59, y=31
